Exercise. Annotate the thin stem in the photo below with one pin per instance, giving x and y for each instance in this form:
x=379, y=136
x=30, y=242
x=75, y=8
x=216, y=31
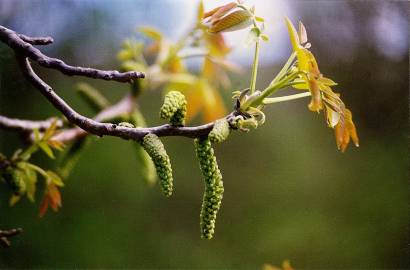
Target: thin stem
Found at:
x=26, y=154
x=37, y=169
x=254, y=68
x=285, y=98
x=270, y=90
x=284, y=69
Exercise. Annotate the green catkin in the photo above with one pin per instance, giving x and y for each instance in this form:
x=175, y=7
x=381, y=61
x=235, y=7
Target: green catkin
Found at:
x=137, y=119
x=146, y=166
x=213, y=186
x=220, y=131
x=155, y=149
x=72, y=156
x=14, y=179
x=174, y=108
x=92, y=96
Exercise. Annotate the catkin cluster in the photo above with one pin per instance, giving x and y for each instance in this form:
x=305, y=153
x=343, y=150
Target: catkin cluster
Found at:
x=155, y=149
x=220, y=131
x=14, y=180
x=213, y=186
x=174, y=108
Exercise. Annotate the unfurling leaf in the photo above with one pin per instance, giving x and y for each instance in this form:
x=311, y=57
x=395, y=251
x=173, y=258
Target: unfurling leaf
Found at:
x=236, y=20
x=52, y=198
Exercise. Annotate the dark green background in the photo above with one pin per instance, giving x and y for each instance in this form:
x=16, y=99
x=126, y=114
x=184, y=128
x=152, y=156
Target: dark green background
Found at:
x=289, y=194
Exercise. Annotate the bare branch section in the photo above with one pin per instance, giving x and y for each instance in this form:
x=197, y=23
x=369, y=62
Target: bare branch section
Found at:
x=27, y=125
x=26, y=52
x=36, y=40
x=22, y=45
x=4, y=236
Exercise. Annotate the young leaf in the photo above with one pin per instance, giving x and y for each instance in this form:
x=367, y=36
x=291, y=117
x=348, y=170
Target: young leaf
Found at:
x=56, y=145
x=150, y=32
x=14, y=199
x=46, y=149
x=264, y=37
x=30, y=179
x=253, y=36
x=54, y=178
x=236, y=20
x=50, y=131
x=259, y=19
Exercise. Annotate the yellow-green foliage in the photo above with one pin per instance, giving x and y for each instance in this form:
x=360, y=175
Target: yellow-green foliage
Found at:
x=220, y=131
x=213, y=186
x=14, y=179
x=174, y=108
x=155, y=149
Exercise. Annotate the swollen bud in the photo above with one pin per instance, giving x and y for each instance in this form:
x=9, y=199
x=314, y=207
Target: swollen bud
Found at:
x=155, y=149
x=220, y=131
x=174, y=108
x=213, y=186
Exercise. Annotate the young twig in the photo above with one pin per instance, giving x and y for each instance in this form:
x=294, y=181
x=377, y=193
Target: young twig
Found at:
x=22, y=46
x=4, y=236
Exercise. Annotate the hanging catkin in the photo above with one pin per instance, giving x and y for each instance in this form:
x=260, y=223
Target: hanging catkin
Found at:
x=213, y=186
x=155, y=149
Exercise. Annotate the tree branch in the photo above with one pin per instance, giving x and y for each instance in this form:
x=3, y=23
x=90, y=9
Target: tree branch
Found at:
x=21, y=45
x=25, y=51
x=101, y=129
x=27, y=125
x=36, y=40
x=4, y=235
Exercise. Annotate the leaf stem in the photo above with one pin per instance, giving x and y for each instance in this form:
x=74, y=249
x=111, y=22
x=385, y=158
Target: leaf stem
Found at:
x=255, y=67
x=284, y=69
x=285, y=98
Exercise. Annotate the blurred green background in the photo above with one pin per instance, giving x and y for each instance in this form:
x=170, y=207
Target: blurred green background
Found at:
x=289, y=194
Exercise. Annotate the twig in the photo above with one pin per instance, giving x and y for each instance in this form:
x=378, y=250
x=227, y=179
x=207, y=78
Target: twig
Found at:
x=24, y=48
x=36, y=40
x=101, y=129
x=27, y=125
x=25, y=51
x=124, y=106
x=4, y=235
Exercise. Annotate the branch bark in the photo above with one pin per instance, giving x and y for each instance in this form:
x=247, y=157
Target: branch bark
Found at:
x=23, y=47
x=36, y=40
x=27, y=125
x=25, y=51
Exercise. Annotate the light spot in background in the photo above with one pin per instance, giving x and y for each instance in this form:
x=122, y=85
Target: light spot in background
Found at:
x=391, y=32
x=277, y=49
